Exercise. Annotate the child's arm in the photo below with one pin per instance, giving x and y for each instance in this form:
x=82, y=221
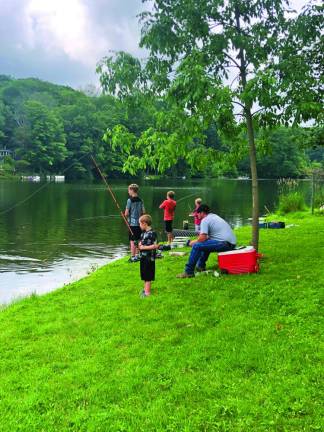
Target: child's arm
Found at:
x=128, y=205
x=151, y=247
x=161, y=206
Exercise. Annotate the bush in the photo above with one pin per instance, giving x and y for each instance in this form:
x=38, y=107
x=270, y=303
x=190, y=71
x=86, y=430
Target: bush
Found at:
x=291, y=202
x=319, y=198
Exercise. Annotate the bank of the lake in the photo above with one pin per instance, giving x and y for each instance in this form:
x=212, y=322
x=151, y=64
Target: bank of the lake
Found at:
x=234, y=353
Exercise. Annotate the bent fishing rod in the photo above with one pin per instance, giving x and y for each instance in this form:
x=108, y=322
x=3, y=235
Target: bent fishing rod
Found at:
x=112, y=195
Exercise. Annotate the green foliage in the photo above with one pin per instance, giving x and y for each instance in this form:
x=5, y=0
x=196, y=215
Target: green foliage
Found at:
x=120, y=74
x=290, y=199
x=51, y=128
x=285, y=155
x=319, y=197
x=240, y=354
x=291, y=202
x=165, y=136
x=43, y=137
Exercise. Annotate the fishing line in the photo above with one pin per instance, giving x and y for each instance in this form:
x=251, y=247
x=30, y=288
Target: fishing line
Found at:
x=39, y=189
x=97, y=217
x=187, y=196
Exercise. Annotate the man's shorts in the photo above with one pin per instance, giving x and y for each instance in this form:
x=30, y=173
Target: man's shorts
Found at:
x=168, y=226
x=136, y=233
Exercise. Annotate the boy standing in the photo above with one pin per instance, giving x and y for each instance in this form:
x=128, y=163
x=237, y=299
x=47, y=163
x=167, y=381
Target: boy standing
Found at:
x=147, y=247
x=134, y=210
x=197, y=221
x=169, y=206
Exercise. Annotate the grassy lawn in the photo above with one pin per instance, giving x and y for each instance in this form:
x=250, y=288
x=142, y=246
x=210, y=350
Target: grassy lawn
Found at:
x=234, y=353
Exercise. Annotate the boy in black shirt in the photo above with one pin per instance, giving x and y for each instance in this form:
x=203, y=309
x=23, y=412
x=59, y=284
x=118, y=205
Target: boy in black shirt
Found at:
x=147, y=246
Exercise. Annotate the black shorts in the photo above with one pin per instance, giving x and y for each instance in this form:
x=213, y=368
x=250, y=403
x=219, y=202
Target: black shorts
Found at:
x=147, y=269
x=136, y=233
x=168, y=226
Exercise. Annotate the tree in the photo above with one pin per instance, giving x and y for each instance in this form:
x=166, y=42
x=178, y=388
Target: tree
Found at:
x=41, y=138
x=2, y=122
x=283, y=153
x=195, y=46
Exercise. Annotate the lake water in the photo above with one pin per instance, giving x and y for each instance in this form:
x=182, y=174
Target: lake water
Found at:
x=53, y=234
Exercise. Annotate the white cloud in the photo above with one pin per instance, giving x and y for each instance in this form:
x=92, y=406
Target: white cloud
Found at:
x=60, y=25
x=62, y=40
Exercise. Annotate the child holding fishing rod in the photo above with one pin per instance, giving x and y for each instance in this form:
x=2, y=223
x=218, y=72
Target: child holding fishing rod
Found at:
x=134, y=210
x=147, y=246
x=194, y=214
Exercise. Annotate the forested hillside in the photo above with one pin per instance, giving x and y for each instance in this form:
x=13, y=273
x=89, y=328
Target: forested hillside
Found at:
x=54, y=129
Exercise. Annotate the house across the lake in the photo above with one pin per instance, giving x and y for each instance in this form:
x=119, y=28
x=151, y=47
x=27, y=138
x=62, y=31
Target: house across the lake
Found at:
x=4, y=152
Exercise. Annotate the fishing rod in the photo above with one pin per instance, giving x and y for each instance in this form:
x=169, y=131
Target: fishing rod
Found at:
x=112, y=195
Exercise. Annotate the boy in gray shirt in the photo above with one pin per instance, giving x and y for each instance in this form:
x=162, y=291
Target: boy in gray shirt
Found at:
x=215, y=236
x=134, y=210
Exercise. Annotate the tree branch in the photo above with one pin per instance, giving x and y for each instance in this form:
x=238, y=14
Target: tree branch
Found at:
x=255, y=112
x=234, y=61
x=235, y=78
x=239, y=103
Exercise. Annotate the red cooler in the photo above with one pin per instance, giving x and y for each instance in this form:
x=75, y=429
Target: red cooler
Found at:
x=238, y=261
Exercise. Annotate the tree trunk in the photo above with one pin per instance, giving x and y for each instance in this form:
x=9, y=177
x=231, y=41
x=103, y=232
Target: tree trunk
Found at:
x=254, y=177
x=252, y=149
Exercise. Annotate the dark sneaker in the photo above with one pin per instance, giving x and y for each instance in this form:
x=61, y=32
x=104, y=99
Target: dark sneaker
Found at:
x=200, y=269
x=185, y=275
x=134, y=259
x=164, y=247
x=143, y=294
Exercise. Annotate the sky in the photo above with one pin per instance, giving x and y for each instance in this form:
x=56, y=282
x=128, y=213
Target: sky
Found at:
x=61, y=41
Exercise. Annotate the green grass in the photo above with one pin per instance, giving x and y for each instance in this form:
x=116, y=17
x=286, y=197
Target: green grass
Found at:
x=234, y=353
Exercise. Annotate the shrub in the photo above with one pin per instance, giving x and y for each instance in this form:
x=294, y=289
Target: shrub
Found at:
x=319, y=198
x=291, y=202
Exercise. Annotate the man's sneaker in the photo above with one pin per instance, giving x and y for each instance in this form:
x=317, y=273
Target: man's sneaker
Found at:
x=185, y=275
x=143, y=294
x=200, y=269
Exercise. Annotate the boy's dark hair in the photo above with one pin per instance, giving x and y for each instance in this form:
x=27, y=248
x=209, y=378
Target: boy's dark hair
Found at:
x=146, y=218
x=203, y=208
x=134, y=187
x=171, y=194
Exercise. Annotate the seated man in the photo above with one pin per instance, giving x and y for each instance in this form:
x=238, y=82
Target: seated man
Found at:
x=215, y=236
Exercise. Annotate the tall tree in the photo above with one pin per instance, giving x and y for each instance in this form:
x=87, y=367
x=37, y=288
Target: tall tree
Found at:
x=194, y=47
x=41, y=138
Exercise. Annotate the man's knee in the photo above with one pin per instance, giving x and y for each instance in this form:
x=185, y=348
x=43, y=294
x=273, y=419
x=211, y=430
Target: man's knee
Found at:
x=196, y=246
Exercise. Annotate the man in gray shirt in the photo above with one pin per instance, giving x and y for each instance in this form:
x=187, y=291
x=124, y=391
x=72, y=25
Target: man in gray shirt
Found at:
x=215, y=236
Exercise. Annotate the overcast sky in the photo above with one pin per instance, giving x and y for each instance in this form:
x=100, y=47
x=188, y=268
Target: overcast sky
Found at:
x=62, y=40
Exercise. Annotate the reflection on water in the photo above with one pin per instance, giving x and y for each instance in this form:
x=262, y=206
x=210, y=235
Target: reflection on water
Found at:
x=21, y=277
x=64, y=231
